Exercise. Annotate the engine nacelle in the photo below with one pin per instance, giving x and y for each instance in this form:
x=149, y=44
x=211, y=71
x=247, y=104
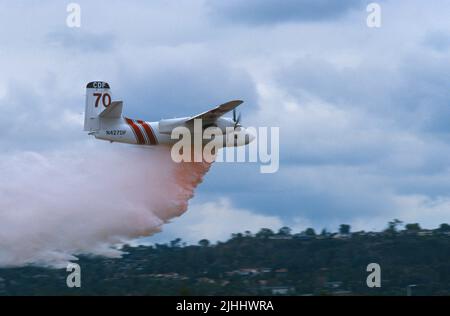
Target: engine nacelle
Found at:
x=223, y=123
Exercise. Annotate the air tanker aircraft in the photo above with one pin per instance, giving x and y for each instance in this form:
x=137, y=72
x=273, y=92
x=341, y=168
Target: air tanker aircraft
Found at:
x=104, y=120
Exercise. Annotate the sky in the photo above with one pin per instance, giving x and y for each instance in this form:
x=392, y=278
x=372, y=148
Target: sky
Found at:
x=364, y=113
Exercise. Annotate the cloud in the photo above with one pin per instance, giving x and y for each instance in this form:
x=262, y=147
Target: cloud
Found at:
x=363, y=116
x=216, y=221
x=272, y=11
x=82, y=41
x=180, y=81
x=438, y=40
x=33, y=122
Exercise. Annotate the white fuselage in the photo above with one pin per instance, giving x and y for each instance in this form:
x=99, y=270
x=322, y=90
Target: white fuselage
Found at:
x=139, y=132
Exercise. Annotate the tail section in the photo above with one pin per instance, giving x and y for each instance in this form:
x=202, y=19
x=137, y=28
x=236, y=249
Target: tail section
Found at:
x=98, y=99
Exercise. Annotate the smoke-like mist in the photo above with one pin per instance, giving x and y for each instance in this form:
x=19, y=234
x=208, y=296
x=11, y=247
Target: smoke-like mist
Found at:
x=54, y=206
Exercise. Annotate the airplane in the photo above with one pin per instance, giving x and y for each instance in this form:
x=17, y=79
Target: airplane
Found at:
x=104, y=120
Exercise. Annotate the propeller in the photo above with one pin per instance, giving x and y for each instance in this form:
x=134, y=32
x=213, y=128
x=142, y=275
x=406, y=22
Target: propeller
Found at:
x=237, y=119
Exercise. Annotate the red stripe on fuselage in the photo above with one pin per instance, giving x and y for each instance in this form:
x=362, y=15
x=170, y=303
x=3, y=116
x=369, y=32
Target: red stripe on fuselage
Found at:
x=149, y=131
x=137, y=132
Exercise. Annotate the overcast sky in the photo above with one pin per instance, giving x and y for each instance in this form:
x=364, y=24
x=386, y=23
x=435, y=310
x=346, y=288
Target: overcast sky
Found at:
x=364, y=113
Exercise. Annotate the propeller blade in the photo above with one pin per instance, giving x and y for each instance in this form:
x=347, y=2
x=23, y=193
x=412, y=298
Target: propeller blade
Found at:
x=236, y=119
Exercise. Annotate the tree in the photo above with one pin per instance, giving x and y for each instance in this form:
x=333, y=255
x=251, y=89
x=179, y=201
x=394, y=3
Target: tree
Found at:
x=444, y=228
x=310, y=232
x=392, y=226
x=237, y=236
x=264, y=233
x=284, y=231
x=204, y=243
x=175, y=243
x=248, y=233
x=415, y=227
x=344, y=229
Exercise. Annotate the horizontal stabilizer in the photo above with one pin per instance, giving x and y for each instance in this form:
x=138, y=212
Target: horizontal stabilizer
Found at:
x=113, y=111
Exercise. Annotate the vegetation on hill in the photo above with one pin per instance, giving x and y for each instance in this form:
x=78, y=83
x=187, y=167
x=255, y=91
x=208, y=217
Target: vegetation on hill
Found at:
x=265, y=263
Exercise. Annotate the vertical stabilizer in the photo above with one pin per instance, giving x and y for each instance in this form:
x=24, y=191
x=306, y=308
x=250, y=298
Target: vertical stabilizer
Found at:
x=98, y=98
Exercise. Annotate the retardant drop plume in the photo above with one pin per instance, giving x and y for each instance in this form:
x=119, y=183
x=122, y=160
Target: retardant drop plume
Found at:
x=58, y=205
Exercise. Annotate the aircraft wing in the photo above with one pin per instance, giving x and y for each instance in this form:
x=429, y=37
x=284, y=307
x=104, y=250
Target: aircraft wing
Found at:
x=217, y=112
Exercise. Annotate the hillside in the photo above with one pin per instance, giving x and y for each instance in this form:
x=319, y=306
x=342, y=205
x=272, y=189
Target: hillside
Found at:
x=266, y=263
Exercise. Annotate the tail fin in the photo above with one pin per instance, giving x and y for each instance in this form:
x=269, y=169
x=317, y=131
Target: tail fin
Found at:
x=98, y=98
